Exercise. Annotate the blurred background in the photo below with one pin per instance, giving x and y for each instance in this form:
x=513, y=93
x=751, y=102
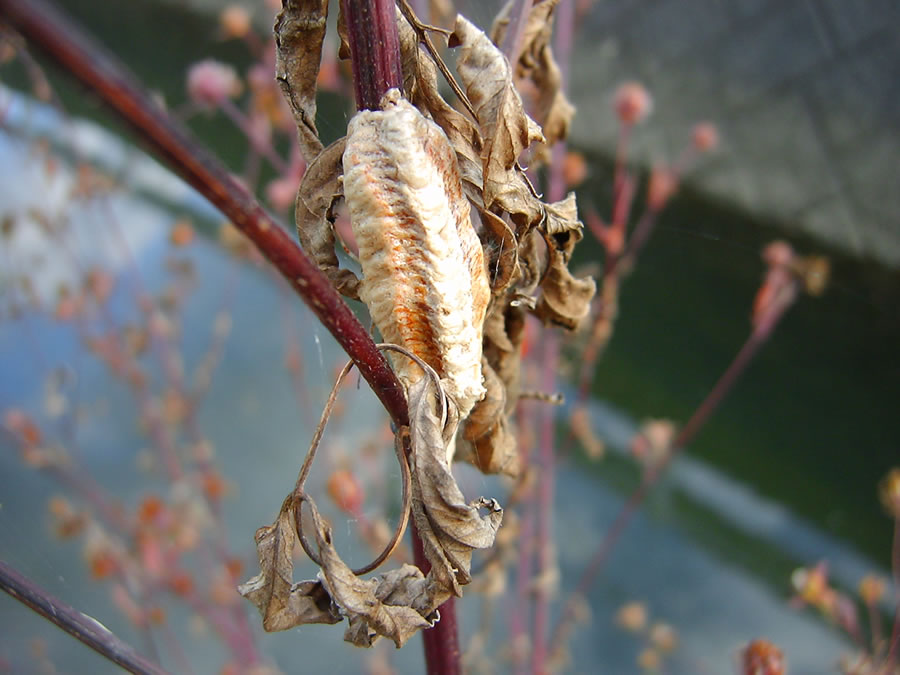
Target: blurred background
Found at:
x=103, y=247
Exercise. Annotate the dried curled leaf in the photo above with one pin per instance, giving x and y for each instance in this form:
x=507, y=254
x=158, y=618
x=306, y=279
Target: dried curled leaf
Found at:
x=282, y=603
x=538, y=25
x=488, y=430
x=382, y=606
x=299, y=32
x=504, y=252
x=492, y=406
x=424, y=277
x=492, y=443
x=551, y=108
x=505, y=128
x=402, y=601
x=562, y=220
x=564, y=299
x=319, y=189
x=450, y=528
x=420, y=84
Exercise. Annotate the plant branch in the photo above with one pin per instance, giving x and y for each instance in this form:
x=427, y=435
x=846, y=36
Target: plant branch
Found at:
x=67, y=45
x=375, y=55
x=546, y=552
x=374, y=50
x=895, y=569
x=79, y=625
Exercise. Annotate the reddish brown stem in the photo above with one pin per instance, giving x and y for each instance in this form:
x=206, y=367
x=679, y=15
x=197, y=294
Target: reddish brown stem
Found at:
x=545, y=495
x=375, y=54
x=894, y=647
x=74, y=622
x=441, y=642
x=374, y=49
x=45, y=28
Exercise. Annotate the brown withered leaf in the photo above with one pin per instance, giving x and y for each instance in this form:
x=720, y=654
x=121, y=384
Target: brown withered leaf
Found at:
x=299, y=33
x=485, y=414
x=538, y=25
x=493, y=444
x=564, y=299
x=318, y=191
x=420, y=84
x=512, y=194
x=532, y=263
x=343, y=34
x=381, y=606
x=450, y=528
x=504, y=332
x=505, y=128
x=562, y=223
x=282, y=603
x=410, y=56
x=551, y=108
x=503, y=251
x=497, y=451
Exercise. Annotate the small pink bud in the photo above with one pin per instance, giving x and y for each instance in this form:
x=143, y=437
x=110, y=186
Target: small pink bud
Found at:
x=778, y=254
x=346, y=491
x=209, y=83
x=776, y=293
x=705, y=136
x=235, y=21
x=663, y=184
x=653, y=443
x=632, y=103
x=281, y=192
x=259, y=131
x=575, y=168
x=99, y=284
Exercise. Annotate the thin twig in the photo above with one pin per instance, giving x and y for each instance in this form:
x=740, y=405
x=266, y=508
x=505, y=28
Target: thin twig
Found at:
x=517, y=20
x=545, y=495
x=84, y=628
x=400, y=442
x=422, y=31
x=895, y=569
x=546, y=553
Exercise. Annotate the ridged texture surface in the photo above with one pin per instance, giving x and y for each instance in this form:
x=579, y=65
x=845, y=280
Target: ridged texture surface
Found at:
x=424, y=276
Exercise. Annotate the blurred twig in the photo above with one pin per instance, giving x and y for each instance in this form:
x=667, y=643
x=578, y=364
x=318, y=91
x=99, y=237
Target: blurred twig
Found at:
x=79, y=625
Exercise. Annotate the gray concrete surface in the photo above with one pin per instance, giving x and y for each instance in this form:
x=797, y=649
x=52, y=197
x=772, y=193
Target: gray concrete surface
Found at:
x=806, y=94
